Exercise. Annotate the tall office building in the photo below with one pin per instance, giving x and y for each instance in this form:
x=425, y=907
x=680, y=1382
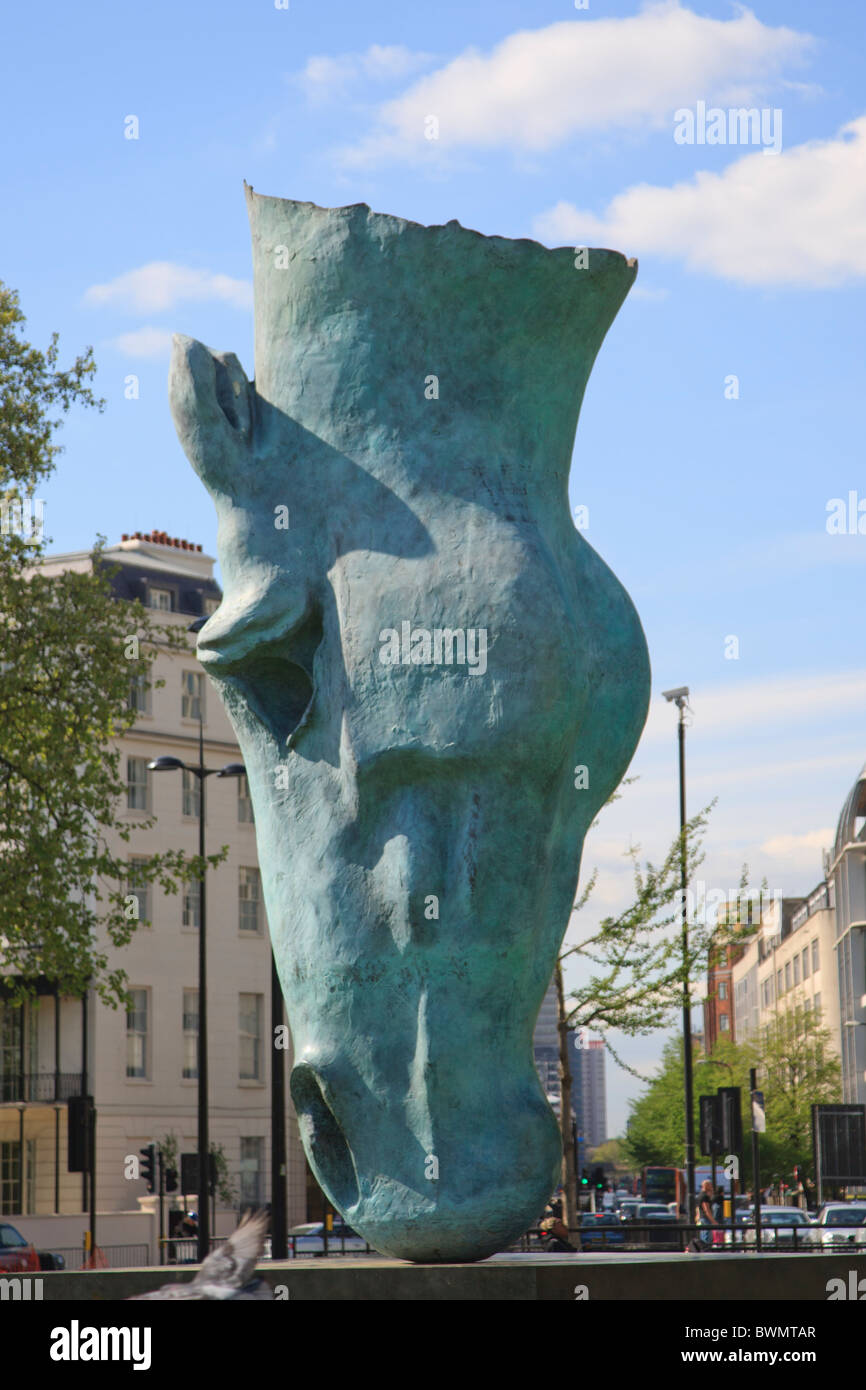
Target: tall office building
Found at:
x=546, y=1043
x=594, y=1107
x=141, y=1066
x=546, y=1053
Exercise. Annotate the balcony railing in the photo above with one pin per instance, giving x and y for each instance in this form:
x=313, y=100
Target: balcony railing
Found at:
x=38, y=1087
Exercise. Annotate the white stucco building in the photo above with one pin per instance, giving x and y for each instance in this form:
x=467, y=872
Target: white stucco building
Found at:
x=140, y=1066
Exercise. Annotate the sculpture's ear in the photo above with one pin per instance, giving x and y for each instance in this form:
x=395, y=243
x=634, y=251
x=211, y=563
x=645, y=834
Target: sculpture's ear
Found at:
x=211, y=403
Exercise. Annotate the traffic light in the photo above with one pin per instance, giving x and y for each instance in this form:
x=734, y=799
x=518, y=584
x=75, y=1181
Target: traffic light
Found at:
x=711, y=1124
x=584, y=1179
x=171, y=1180
x=798, y=1175
x=598, y=1179
x=78, y=1127
x=732, y=1119
x=148, y=1165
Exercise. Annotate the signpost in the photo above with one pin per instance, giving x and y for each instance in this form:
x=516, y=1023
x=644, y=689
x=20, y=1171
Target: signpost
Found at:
x=839, y=1145
x=759, y=1126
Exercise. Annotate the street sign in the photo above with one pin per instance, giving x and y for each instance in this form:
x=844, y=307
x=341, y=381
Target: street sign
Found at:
x=759, y=1114
x=189, y=1175
x=839, y=1142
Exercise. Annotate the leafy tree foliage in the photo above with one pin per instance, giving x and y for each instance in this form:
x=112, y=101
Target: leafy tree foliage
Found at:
x=68, y=653
x=796, y=1069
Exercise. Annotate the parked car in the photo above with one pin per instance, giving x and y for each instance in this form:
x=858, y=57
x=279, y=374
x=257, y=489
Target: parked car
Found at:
x=51, y=1259
x=601, y=1228
x=778, y=1227
x=841, y=1223
x=17, y=1255
x=308, y=1239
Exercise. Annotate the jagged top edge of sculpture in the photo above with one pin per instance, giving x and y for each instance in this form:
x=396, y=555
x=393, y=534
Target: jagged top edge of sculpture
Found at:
x=630, y=263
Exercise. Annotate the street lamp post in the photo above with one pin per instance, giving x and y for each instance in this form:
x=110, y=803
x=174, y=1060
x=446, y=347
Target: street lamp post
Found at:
x=170, y=764
x=679, y=697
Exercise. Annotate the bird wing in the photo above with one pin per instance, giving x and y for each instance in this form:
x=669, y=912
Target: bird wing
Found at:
x=232, y=1264
x=227, y=1271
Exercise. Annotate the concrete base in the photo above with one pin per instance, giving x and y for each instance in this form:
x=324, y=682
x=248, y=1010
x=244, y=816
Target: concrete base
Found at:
x=506, y=1278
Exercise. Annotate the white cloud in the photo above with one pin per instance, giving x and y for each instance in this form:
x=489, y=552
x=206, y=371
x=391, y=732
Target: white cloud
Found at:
x=792, y=847
x=325, y=77
x=162, y=285
x=144, y=342
x=796, y=218
x=653, y=296
x=779, y=702
x=539, y=88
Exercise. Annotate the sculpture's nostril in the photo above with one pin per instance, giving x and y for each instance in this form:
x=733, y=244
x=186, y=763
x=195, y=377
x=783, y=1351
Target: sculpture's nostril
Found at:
x=324, y=1141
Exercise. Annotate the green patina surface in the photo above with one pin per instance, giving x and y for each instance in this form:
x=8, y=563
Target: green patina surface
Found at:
x=398, y=471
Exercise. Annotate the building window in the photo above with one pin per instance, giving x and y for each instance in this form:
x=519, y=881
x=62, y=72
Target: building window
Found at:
x=137, y=887
x=249, y=900
x=805, y=962
x=136, y=1034
x=724, y=1023
x=723, y=989
x=778, y=984
x=136, y=784
x=816, y=959
x=245, y=803
x=191, y=794
x=787, y=974
x=816, y=1003
x=192, y=695
x=139, y=695
x=190, y=1034
x=250, y=1026
x=192, y=903
x=796, y=970
x=160, y=599
x=252, y=1172
x=17, y=1024
x=10, y=1173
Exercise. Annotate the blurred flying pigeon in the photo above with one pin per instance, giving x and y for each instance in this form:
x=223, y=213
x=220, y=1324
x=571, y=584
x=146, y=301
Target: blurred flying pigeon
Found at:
x=227, y=1271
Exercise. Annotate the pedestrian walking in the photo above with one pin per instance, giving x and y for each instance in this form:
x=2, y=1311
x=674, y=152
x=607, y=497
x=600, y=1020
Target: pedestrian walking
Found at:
x=705, y=1212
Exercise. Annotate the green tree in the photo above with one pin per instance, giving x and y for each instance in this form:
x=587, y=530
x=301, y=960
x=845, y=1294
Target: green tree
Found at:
x=636, y=963
x=655, y=1131
x=796, y=1069
x=69, y=653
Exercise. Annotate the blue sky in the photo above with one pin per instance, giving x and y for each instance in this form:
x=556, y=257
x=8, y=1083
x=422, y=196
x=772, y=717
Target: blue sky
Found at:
x=556, y=123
